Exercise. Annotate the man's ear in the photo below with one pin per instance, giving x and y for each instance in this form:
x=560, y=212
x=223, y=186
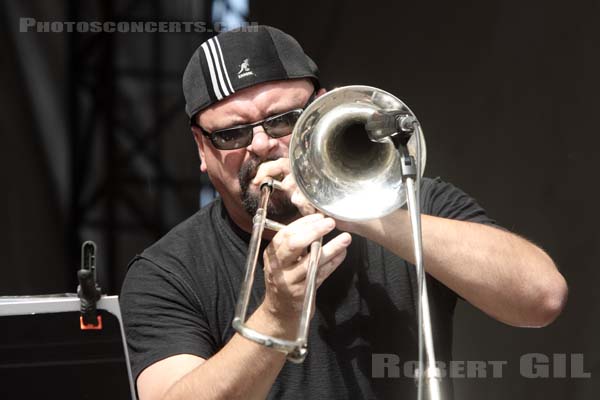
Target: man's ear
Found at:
x=321, y=92
x=199, y=138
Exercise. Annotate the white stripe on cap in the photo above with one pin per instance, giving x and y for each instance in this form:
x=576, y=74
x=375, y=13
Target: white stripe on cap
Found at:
x=218, y=66
x=222, y=60
x=211, y=69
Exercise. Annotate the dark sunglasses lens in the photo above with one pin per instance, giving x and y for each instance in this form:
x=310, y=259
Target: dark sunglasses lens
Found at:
x=230, y=139
x=282, y=125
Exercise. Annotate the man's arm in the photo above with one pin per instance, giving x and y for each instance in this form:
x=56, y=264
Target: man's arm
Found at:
x=243, y=369
x=499, y=272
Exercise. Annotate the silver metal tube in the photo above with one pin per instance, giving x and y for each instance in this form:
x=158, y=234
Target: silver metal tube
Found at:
x=273, y=225
x=258, y=226
x=429, y=376
x=309, y=299
x=296, y=350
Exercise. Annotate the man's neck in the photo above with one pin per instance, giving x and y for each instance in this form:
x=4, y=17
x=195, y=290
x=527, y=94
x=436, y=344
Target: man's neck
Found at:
x=243, y=220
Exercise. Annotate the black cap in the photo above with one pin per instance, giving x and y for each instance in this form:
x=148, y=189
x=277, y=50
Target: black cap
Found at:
x=240, y=58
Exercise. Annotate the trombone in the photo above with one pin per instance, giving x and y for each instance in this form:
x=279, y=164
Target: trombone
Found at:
x=356, y=153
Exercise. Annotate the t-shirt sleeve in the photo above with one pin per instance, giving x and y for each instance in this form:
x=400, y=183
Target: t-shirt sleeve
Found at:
x=162, y=316
x=443, y=199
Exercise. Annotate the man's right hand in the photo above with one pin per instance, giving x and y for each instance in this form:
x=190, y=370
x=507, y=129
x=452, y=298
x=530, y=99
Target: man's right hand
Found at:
x=286, y=264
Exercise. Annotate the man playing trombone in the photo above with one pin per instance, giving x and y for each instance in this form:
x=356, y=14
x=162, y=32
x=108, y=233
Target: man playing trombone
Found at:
x=244, y=93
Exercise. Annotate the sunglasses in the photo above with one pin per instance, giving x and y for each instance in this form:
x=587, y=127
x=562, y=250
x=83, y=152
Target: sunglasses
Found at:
x=276, y=126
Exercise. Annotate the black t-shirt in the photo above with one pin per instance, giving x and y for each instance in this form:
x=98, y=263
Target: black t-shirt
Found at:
x=179, y=296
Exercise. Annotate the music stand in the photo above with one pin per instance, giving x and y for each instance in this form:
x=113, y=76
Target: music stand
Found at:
x=45, y=352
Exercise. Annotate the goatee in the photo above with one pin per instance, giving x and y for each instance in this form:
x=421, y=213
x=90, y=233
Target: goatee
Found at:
x=280, y=206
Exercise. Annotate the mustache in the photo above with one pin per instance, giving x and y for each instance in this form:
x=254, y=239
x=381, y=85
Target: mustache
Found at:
x=250, y=168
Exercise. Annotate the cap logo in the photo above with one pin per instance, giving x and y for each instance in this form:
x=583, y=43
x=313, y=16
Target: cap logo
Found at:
x=245, y=69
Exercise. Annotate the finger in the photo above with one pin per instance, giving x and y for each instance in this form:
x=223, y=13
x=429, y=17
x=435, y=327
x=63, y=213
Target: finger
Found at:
x=272, y=169
x=329, y=251
x=270, y=254
x=327, y=269
x=298, y=272
x=289, y=243
x=335, y=246
x=328, y=262
x=288, y=184
x=302, y=203
x=297, y=239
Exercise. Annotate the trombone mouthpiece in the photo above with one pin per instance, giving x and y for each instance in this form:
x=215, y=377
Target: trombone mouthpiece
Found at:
x=267, y=182
x=271, y=184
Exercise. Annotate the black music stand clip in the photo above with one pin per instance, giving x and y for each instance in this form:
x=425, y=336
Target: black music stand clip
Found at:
x=88, y=290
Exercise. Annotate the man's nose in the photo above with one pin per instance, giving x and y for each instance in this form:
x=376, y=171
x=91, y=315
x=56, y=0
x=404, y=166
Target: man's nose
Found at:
x=262, y=144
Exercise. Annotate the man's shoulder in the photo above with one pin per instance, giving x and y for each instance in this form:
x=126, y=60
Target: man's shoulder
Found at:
x=443, y=199
x=433, y=183
x=432, y=188
x=184, y=241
